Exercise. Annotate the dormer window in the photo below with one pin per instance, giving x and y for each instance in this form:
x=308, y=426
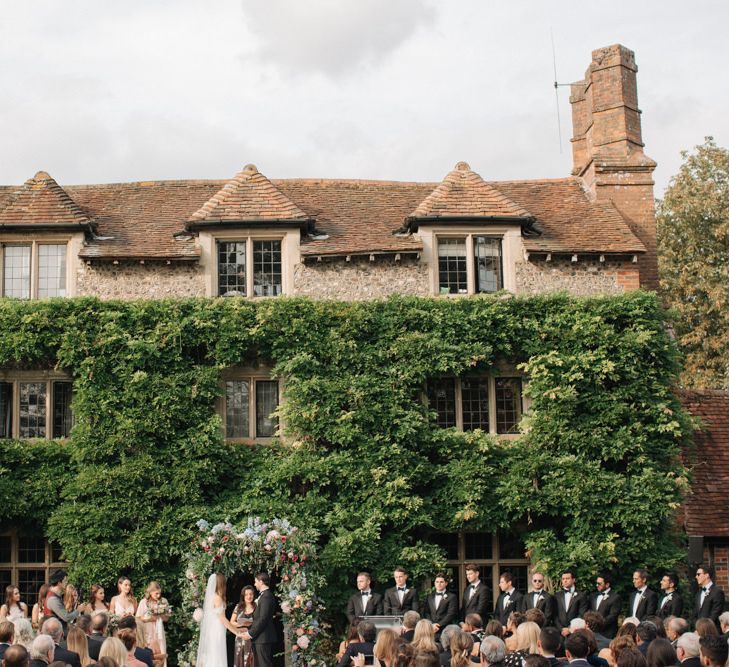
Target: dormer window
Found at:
x=33, y=270
x=249, y=267
x=456, y=275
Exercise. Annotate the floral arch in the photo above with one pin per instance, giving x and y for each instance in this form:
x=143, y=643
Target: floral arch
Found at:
x=269, y=546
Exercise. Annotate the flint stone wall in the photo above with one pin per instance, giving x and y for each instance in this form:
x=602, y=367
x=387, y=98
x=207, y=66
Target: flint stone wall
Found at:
x=582, y=278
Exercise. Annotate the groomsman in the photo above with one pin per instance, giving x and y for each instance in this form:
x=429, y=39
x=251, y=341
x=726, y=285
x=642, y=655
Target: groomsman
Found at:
x=538, y=598
x=365, y=602
x=643, y=601
x=671, y=604
x=571, y=603
x=709, y=602
x=509, y=600
x=400, y=598
x=441, y=607
x=477, y=595
x=606, y=603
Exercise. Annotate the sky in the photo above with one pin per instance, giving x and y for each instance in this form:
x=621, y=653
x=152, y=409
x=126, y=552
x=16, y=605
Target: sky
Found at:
x=101, y=91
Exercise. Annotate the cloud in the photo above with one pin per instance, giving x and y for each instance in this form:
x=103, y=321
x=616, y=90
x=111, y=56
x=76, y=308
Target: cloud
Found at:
x=332, y=37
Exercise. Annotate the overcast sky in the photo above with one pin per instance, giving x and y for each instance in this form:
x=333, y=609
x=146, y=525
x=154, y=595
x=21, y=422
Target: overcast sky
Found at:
x=102, y=91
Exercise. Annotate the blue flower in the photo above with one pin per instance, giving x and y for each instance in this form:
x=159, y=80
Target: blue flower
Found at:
x=203, y=525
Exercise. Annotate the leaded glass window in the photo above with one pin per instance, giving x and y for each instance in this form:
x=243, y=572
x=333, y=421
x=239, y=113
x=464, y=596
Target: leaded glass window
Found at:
x=452, y=270
x=487, y=256
x=266, y=268
x=508, y=404
x=32, y=412
x=232, y=268
x=237, y=409
x=266, y=403
x=51, y=270
x=442, y=399
x=16, y=271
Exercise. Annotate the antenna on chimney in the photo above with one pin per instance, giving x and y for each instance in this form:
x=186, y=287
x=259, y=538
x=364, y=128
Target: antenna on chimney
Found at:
x=556, y=90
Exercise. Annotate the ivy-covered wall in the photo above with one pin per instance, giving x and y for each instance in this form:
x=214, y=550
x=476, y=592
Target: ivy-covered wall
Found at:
x=595, y=478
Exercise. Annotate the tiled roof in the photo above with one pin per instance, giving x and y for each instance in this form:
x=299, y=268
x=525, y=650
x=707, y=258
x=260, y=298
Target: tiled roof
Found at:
x=139, y=220
x=464, y=194
x=706, y=510
x=41, y=201
x=248, y=197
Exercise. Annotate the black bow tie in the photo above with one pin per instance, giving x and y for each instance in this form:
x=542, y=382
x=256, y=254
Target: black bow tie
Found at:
x=401, y=589
x=567, y=590
x=704, y=589
x=441, y=594
x=365, y=592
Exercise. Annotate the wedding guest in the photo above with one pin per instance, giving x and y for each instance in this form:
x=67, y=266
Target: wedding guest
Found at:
x=494, y=629
x=538, y=598
x=687, y=650
x=675, y=627
x=631, y=657
x=83, y=622
x=570, y=602
x=424, y=637
x=96, y=602
x=628, y=629
x=473, y=625
x=37, y=612
x=114, y=648
x=409, y=621
x=461, y=645
x=53, y=628
x=535, y=616
x=477, y=596
x=352, y=635
x=77, y=642
x=365, y=602
x=595, y=623
x=527, y=640
x=617, y=646
x=645, y=634
x=549, y=643
x=535, y=660
x=242, y=617
x=705, y=628
x=128, y=637
x=516, y=618
x=643, y=601
x=713, y=651
x=509, y=600
x=365, y=644
x=441, y=607
x=42, y=651
x=106, y=661
x=53, y=606
x=671, y=603
x=386, y=649
x=141, y=653
x=577, y=648
x=607, y=603
x=400, y=598
x=7, y=632
x=16, y=656
x=709, y=601
x=124, y=603
x=493, y=652
x=98, y=634
x=13, y=607
x=446, y=634
x=724, y=624
x=661, y=654
x=23, y=632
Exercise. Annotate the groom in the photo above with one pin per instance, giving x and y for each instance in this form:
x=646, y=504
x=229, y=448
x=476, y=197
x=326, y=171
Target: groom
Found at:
x=261, y=631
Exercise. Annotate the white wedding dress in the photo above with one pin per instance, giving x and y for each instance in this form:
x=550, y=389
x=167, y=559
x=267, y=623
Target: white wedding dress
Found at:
x=212, y=651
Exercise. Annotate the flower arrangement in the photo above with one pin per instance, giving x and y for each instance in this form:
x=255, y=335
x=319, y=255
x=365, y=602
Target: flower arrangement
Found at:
x=272, y=546
x=158, y=608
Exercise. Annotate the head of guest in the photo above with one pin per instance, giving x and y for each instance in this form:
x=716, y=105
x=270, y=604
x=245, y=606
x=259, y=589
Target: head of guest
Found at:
x=516, y=618
x=577, y=624
x=591, y=641
x=406, y=658
x=461, y=646
x=603, y=582
x=472, y=623
x=640, y=579
x=535, y=661
x=366, y=631
x=106, y=661
x=83, y=623
x=675, y=627
x=704, y=575
x=114, y=648
x=620, y=644
x=58, y=581
x=363, y=581
x=506, y=581
x=669, y=581
x=78, y=643
x=424, y=637
x=386, y=647
x=628, y=629
x=494, y=629
x=527, y=637
x=535, y=615
x=473, y=574
x=16, y=656
x=550, y=641
x=7, y=632
x=631, y=657
x=724, y=622
x=576, y=646
x=568, y=579
x=127, y=623
x=492, y=650
x=53, y=628
x=705, y=628
x=410, y=619
x=661, y=653
x=99, y=623
x=595, y=621
x=687, y=646
x=445, y=636
x=42, y=648
x=713, y=651
x=23, y=632
x=128, y=638
x=646, y=632
x=658, y=622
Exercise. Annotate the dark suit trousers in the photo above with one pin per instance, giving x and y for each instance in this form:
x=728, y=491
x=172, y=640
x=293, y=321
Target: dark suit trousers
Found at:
x=263, y=655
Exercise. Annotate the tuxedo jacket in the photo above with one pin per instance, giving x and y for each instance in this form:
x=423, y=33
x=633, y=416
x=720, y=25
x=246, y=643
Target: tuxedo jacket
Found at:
x=354, y=606
x=262, y=630
x=647, y=605
x=545, y=603
x=69, y=657
x=446, y=613
x=579, y=604
x=609, y=608
x=713, y=604
x=479, y=603
x=392, y=606
x=502, y=609
x=673, y=606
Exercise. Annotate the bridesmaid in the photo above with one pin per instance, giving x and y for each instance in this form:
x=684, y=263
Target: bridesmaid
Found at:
x=37, y=618
x=70, y=598
x=153, y=612
x=123, y=604
x=96, y=603
x=242, y=617
x=13, y=607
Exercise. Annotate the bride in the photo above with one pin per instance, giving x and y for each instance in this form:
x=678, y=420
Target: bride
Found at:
x=212, y=651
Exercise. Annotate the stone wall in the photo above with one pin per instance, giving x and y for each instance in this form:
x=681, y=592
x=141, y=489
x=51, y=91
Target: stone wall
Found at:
x=581, y=278
x=361, y=279
x=132, y=280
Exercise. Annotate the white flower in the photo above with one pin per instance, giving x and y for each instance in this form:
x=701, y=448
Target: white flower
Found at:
x=189, y=574
x=303, y=642
x=197, y=615
x=285, y=607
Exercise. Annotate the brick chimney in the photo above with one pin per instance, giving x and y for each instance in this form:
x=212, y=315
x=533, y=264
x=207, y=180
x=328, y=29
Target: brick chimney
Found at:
x=607, y=147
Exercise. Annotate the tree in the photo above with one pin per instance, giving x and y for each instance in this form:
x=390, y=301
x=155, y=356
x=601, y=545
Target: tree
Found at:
x=693, y=257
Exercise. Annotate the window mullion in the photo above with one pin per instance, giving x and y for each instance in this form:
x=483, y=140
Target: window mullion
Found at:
x=15, y=426
x=470, y=268
x=492, y=404
x=459, y=405
x=34, y=265
x=252, y=432
x=249, y=267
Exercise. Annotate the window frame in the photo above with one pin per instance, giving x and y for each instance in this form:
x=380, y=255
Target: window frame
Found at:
x=471, y=272
x=248, y=238
x=35, y=244
x=252, y=376
x=15, y=566
x=50, y=379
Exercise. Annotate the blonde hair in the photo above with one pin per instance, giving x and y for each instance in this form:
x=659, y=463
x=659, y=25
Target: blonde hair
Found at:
x=70, y=597
x=114, y=648
x=424, y=637
x=152, y=586
x=527, y=636
x=461, y=645
x=76, y=641
x=386, y=647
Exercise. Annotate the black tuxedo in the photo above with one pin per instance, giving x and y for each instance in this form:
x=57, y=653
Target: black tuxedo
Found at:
x=36, y=662
x=579, y=604
x=69, y=657
x=447, y=611
x=95, y=642
x=713, y=604
x=545, y=604
x=673, y=605
x=691, y=662
x=354, y=606
x=647, y=605
x=503, y=609
x=145, y=655
x=609, y=609
x=392, y=606
x=479, y=603
x=262, y=631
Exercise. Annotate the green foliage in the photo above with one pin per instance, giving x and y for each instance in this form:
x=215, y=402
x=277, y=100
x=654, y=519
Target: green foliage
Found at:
x=594, y=479
x=693, y=238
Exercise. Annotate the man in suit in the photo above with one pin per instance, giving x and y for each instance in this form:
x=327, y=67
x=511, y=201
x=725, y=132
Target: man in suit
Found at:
x=538, y=598
x=365, y=602
x=709, y=602
x=441, y=607
x=509, y=599
x=446, y=634
x=671, y=602
x=7, y=632
x=577, y=648
x=53, y=605
x=42, y=651
x=366, y=633
x=53, y=628
x=549, y=644
x=645, y=633
x=643, y=601
x=596, y=624
x=143, y=654
x=262, y=632
x=607, y=603
x=570, y=602
x=675, y=627
x=477, y=595
x=98, y=635
x=687, y=650
x=409, y=621
x=400, y=598
x=16, y=656
x=713, y=651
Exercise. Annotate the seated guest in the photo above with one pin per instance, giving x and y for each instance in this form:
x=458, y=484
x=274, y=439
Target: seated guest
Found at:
x=42, y=651
x=577, y=648
x=474, y=626
x=630, y=619
x=535, y=660
x=687, y=650
x=365, y=644
x=516, y=618
x=53, y=628
x=645, y=634
x=114, y=648
x=461, y=645
x=352, y=636
x=713, y=651
x=493, y=651
x=724, y=624
x=143, y=654
x=7, y=632
x=617, y=646
x=416, y=660
x=550, y=641
x=631, y=657
x=441, y=607
x=592, y=657
x=97, y=635
x=386, y=650
x=527, y=641
x=675, y=627
x=628, y=629
x=494, y=629
x=128, y=637
x=705, y=628
x=16, y=655
x=409, y=621
x=594, y=622
x=365, y=602
x=535, y=615
x=658, y=622
x=661, y=653
x=445, y=638
x=78, y=643
x=424, y=637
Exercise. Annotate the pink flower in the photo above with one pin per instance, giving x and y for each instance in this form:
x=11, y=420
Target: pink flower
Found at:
x=303, y=642
x=300, y=631
x=286, y=607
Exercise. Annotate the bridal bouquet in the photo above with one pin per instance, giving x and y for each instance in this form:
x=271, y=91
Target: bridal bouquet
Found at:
x=159, y=608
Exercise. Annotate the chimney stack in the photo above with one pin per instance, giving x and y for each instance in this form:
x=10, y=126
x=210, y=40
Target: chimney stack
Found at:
x=607, y=147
